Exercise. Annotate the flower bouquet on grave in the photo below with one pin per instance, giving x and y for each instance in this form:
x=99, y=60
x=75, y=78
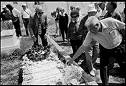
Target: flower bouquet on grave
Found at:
x=38, y=53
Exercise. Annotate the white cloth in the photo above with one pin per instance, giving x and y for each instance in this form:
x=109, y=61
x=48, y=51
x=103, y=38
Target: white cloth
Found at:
x=26, y=13
x=16, y=12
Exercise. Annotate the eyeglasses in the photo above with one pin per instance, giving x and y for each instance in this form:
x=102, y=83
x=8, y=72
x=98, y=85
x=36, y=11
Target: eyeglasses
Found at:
x=74, y=16
x=40, y=12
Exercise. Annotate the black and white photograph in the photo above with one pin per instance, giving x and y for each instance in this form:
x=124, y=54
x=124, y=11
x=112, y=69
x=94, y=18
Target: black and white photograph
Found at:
x=63, y=43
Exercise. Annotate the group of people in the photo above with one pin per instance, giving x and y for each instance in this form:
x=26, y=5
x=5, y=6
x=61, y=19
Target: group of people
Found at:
x=61, y=21
x=18, y=18
x=101, y=33
x=35, y=25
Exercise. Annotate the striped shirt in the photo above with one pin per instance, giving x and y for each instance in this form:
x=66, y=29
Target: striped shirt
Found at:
x=109, y=37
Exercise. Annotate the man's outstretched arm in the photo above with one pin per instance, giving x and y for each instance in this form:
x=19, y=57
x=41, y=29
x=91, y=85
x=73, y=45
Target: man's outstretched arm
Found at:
x=79, y=52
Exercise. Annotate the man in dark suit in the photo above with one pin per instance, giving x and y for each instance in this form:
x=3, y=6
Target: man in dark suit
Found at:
x=38, y=26
x=63, y=23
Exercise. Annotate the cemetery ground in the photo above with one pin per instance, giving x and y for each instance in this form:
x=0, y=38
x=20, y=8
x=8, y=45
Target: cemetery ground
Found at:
x=10, y=64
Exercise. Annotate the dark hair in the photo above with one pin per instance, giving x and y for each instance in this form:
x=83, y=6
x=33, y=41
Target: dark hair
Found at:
x=114, y=4
x=101, y=4
x=74, y=13
x=53, y=13
x=9, y=6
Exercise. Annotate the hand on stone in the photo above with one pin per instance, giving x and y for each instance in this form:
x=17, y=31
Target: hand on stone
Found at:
x=69, y=61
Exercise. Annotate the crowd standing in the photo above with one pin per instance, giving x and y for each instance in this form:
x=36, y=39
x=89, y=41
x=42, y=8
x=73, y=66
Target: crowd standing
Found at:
x=99, y=34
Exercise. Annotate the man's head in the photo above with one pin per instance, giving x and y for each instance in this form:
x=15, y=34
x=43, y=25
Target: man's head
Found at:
x=53, y=14
x=78, y=8
x=9, y=6
x=24, y=6
x=93, y=24
x=39, y=11
x=111, y=6
x=58, y=9
x=92, y=11
x=62, y=11
x=74, y=15
x=72, y=8
x=102, y=5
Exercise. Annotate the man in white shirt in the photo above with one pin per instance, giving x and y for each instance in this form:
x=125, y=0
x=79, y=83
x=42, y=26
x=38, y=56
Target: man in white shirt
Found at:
x=26, y=14
x=92, y=52
x=106, y=33
x=16, y=19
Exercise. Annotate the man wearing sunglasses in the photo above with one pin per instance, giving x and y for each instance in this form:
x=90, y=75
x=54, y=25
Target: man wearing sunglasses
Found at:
x=106, y=33
x=73, y=33
x=38, y=26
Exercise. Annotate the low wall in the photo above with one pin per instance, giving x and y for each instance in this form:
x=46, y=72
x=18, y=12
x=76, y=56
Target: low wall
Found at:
x=9, y=41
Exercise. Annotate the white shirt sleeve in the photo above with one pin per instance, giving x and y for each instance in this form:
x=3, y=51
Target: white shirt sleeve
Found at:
x=88, y=39
x=17, y=13
x=29, y=11
x=119, y=24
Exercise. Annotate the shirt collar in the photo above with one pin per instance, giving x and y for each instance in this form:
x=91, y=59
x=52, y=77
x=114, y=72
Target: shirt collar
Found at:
x=103, y=25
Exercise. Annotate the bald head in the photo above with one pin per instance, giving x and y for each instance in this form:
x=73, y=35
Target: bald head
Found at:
x=91, y=21
x=93, y=24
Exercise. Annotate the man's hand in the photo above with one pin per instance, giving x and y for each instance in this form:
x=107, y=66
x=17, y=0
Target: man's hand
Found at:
x=69, y=61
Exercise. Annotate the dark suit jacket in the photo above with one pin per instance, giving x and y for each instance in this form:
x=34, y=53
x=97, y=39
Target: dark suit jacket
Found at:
x=63, y=21
x=33, y=24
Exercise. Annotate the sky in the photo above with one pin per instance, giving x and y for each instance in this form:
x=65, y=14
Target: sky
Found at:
x=52, y=5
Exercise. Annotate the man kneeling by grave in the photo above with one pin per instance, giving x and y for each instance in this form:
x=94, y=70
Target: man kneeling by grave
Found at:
x=38, y=26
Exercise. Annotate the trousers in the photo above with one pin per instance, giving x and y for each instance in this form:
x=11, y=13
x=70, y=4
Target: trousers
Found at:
x=42, y=36
x=105, y=55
